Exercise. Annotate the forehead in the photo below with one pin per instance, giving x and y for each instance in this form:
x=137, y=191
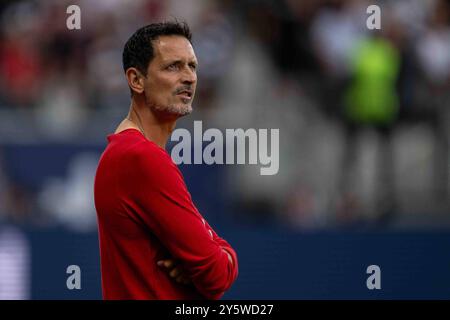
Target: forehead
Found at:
x=173, y=48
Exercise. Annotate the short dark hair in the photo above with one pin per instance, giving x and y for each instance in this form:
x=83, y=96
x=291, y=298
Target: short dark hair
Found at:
x=138, y=50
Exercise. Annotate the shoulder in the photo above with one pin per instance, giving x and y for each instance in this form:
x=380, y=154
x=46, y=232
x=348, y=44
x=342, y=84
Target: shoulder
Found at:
x=149, y=157
x=144, y=159
x=152, y=167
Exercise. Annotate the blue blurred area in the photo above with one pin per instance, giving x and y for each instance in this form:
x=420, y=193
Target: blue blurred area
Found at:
x=274, y=264
x=33, y=167
x=31, y=164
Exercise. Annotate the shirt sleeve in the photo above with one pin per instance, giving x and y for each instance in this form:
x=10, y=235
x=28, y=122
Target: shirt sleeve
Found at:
x=165, y=205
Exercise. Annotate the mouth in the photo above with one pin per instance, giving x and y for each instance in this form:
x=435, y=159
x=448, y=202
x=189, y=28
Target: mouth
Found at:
x=185, y=94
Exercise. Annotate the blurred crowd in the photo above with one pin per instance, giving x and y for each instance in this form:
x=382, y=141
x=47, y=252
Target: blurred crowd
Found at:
x=363, y=114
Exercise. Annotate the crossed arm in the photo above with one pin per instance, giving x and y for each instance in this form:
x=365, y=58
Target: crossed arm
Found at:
x=176, y=270
x=198, y=254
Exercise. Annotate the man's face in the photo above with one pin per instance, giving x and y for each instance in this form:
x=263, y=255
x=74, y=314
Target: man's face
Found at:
x=171, y=76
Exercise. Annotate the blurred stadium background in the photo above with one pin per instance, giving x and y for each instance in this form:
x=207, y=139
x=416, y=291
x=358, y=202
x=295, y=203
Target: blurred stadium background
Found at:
x=364, y=124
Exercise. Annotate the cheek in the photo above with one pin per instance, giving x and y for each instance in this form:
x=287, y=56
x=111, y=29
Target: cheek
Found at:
x=157, y=90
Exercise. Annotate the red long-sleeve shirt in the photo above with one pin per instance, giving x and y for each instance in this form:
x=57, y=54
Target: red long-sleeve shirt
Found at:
x=146, y=214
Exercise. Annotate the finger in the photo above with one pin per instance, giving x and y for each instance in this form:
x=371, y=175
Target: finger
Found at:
x=175, y=272
x=168, y=263
x=183, y=279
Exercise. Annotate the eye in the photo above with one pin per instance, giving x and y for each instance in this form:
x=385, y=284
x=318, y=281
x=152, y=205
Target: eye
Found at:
x=193, y=66
x=173, y=66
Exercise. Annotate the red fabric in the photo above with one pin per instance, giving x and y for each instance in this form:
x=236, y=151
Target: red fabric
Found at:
x=145, y=214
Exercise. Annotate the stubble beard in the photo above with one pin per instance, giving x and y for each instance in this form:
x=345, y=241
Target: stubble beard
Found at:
x=180, y=110
x=171, y=110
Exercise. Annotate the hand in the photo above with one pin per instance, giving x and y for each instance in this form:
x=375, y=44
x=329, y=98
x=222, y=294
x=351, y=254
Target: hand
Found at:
x=175, y=270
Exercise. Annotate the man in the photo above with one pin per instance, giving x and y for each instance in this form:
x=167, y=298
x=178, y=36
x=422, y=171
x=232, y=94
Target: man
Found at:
x=154, y=244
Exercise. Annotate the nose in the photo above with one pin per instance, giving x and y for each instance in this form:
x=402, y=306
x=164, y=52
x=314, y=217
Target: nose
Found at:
x=189, y=76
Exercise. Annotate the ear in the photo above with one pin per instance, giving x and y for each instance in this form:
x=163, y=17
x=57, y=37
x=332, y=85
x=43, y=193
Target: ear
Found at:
x=135, y=80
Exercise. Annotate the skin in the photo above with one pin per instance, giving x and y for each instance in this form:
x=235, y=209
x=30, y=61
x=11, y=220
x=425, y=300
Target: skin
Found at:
x=158, y=101
x=175, y=270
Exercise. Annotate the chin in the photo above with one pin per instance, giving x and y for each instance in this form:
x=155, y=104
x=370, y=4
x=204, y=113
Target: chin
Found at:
x=183, y=109
x=186, y=110
x=178, y=110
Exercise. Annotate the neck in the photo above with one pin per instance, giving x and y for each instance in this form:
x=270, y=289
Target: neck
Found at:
x=154, y=127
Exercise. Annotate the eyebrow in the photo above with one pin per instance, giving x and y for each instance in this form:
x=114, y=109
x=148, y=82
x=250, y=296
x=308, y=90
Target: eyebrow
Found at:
x=169, y=62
